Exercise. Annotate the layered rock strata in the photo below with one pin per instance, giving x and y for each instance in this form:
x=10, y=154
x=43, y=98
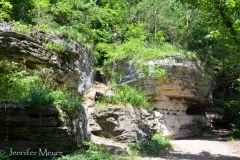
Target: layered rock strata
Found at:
x=183, y=86
x=73, y=68
x=24, y=127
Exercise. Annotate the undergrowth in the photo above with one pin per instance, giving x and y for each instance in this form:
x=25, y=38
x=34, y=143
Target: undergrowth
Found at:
x=124, y=95
x=153, y=146
x=58, y=46
x=19, y=86
x=95, y=152
x=137, y=51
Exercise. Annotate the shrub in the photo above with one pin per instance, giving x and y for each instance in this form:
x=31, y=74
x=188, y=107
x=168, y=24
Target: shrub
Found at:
x=39, y=97
x=64, y=100
x=124, y=94
x=15, y=81
x=35, y=89
x=156, y=144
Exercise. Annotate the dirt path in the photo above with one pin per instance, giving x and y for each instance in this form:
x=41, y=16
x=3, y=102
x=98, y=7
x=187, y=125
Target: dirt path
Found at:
x=212, y=147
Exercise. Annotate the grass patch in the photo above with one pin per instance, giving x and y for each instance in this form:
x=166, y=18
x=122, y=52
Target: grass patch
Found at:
x=153, y=146
x=95, y=152
x=137, y=52
x=58, y=46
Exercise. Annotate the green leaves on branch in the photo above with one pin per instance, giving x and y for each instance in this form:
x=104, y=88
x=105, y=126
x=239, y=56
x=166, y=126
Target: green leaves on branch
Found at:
x=5, y=10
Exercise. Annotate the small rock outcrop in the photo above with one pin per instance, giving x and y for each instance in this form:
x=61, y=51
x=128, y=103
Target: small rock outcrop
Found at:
x=125, y=123
x=24, y=127
x=73, y=68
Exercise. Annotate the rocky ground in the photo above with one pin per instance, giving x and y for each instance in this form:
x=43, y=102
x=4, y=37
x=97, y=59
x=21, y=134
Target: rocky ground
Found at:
x=211, y=146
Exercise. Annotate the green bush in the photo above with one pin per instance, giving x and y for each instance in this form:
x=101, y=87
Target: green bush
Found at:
x=36, y=89
x=39, y=97
x=155, y=145
x=124, y=94
x=64, y=100
x=15, y=81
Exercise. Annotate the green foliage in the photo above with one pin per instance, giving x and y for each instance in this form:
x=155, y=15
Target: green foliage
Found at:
x=5, y=10
x=230, y=109
x=41, y=97
x=64, y=100
x=41, y=17
x=36, y=89
x=236, y=130
x=58, y=46
x=95, y=152
x=159, y=73
x=38, y=97
x=15, y=81
x=124, y=94
x=71, y=32
x=153, y=146
x=29, y=29
x=26, y=29
x=137, y=51
x=135, y=31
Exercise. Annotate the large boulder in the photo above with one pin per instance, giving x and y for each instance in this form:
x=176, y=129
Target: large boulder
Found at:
x=124, y=123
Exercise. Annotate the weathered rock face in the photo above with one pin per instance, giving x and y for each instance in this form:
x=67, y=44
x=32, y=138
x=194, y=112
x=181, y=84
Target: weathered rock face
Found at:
x=24, y=127
x=184, y=85
x=125, y=124
x=72, y=68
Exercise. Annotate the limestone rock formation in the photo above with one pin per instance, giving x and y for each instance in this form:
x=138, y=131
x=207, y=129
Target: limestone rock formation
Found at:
x=24, y=127
x=72, y=68
x=183, y=86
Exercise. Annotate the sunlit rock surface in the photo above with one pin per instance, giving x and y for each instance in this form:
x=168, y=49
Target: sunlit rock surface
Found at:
x=184, y=85
x=72, y=68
